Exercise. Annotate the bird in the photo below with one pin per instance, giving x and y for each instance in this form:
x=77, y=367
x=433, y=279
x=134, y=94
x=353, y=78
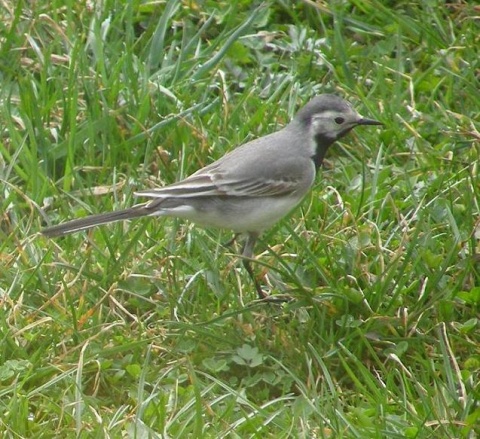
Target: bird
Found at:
x=251, y=187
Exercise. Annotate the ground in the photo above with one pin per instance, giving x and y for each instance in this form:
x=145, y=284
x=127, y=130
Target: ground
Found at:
x=150, y=328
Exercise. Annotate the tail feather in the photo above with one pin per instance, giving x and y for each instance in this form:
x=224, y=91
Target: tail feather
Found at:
x=95, y=220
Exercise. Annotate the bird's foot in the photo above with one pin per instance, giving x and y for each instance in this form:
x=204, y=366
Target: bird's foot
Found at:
x=274, y=298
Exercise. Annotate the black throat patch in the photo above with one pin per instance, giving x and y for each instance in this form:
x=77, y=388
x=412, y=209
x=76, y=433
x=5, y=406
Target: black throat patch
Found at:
x=322, y=143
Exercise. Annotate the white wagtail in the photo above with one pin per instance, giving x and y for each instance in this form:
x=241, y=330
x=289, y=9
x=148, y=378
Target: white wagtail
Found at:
x=253, y=186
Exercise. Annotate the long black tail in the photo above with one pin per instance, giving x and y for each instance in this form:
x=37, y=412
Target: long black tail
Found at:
x=95, y=220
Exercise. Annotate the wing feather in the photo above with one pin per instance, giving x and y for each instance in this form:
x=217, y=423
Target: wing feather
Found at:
x=215, y=184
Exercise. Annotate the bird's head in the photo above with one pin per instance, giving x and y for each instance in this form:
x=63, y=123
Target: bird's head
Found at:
x=328, y=118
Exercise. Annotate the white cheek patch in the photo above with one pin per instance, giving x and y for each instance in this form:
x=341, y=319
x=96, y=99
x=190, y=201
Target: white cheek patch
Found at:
x=323, y=126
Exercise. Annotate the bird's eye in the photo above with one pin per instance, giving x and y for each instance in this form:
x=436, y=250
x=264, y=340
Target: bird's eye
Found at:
x=339, y=120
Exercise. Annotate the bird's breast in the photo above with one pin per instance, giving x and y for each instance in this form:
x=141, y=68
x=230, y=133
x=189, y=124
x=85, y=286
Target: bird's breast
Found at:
x=240, y=214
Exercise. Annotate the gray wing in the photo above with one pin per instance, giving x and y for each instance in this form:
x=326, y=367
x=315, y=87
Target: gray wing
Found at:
x=262, y=168
x=215, y=184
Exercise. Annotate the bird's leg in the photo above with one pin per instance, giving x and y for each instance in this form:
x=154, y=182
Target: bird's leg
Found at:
x=247, y=255
x=262, y=295
x=230, y=242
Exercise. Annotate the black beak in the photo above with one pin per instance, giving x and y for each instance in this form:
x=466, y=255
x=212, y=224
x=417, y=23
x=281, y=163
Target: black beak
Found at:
x=364, y=121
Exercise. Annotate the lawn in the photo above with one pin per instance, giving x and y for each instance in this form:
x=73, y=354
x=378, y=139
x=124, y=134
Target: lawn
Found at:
x=151, y=328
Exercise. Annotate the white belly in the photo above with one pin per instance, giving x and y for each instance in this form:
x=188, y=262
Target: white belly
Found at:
x=237, y=214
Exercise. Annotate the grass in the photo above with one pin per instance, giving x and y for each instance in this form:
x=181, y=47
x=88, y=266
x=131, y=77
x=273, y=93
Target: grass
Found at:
x=150, y=329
